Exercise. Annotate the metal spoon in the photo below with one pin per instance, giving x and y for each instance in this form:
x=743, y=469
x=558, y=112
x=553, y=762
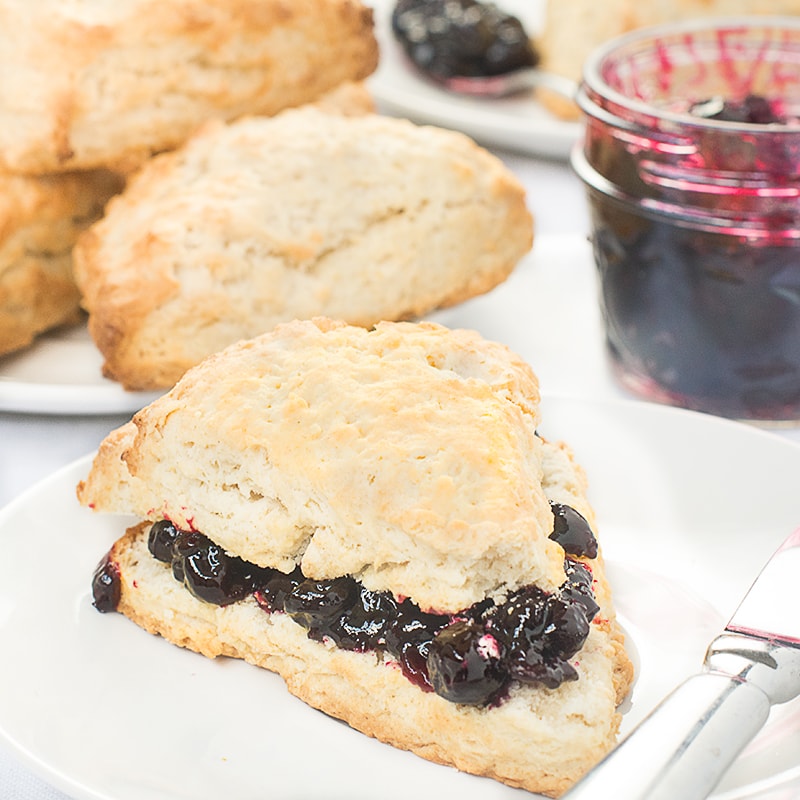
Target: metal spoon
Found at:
x=510, y=83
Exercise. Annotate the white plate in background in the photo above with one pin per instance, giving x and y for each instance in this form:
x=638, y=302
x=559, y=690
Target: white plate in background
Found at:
x=61, y=374
x=518, y=123
x=689, y=507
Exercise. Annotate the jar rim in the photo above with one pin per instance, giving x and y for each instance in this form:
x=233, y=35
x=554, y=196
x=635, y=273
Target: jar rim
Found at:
x=594, y=82
x=756, y=228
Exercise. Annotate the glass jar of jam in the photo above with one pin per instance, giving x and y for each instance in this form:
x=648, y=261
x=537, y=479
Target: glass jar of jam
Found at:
x=691, y=162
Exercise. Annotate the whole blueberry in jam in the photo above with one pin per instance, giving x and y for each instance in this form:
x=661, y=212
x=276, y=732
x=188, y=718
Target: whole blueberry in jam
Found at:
x=465, y=664
x=408, y=638
x=572, y=531
x=578, y=587
x=312, y=603
x=106, y=589
x=274, y=587
x=161, y=539
x=363, y=626
x=209, y=573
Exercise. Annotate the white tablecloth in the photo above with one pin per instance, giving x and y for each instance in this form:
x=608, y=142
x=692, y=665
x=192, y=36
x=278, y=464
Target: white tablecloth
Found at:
x=32, y=447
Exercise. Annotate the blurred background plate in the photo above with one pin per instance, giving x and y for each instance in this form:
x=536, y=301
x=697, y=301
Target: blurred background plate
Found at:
x=61, y=374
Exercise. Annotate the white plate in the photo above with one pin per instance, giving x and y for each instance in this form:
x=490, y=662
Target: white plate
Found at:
x=690, y=506
x=518, y=123
x=61, y=374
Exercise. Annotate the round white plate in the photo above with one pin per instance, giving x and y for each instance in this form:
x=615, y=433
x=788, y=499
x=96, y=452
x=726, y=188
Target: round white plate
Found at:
x=518, y=123
x=61, y=374
x=689, y=506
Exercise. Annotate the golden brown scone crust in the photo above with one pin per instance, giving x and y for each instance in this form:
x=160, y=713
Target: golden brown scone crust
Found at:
x=305, y=214
x=573, y=29
x=40, y=219
x=406, y=455
x=86, y=84
x=541, y=740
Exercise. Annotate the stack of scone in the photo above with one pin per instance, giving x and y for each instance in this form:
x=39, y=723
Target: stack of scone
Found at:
x=573, y=29
x=89, y=91
x=268, y=219
x=374, y=515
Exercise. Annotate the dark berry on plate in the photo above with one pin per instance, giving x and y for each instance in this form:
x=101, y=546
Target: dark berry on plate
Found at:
x=572, y=531
x=312, y=603
x=448, y=38
x=465, y=664
x=106, y=588
x=160, y=540
x=209, y=573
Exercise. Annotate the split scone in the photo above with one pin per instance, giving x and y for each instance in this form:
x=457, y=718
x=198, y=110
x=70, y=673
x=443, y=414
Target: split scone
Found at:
x=372, y=515
x=86, y=84
x=40, y=220
x=265, y=220
x=573, y=29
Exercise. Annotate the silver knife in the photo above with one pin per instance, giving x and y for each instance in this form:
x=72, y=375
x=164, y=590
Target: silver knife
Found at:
x=683, y=747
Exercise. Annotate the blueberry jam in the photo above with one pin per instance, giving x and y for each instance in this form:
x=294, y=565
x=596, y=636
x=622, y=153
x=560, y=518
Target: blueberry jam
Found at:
x=700, y=319
x=471, y=657
x=465, y=664
x=572, y=531
x=105, y=586
x=753, y=109
x=691, y=160
x=452, y=38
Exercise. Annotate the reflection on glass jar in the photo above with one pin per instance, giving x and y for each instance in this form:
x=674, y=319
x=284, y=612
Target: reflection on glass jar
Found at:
x=691, y=160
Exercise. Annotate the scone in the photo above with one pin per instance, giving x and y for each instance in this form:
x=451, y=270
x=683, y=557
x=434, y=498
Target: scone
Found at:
x=373, y=515
x=86, y=84
x=265, y=220
x=574, y=28
x=40, y=219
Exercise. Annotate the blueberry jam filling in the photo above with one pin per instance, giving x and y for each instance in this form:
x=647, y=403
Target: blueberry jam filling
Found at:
x=408, y=639
x=465, y=664
x=572, y=531
x=454, y=38
x=105, y=586
x=471, y=657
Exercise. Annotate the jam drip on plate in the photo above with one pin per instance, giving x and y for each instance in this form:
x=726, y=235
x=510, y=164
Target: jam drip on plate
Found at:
x=471, y=657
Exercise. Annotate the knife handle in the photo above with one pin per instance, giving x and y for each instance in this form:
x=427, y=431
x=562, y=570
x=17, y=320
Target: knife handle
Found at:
x=682, y=749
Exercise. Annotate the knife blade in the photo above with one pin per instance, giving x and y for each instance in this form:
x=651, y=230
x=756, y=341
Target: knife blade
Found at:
x=684, y=746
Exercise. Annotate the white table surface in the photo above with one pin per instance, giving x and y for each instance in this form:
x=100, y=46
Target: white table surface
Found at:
x=32, y=447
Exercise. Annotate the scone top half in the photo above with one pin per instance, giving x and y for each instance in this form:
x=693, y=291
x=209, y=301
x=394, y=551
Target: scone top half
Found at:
x=405, y=455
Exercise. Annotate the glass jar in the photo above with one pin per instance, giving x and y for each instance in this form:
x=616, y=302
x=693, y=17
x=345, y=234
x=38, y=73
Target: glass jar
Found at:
x=691, y=162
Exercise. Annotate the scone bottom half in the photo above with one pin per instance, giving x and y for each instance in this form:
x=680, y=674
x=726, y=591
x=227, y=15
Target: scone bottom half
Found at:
x=471, y=657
